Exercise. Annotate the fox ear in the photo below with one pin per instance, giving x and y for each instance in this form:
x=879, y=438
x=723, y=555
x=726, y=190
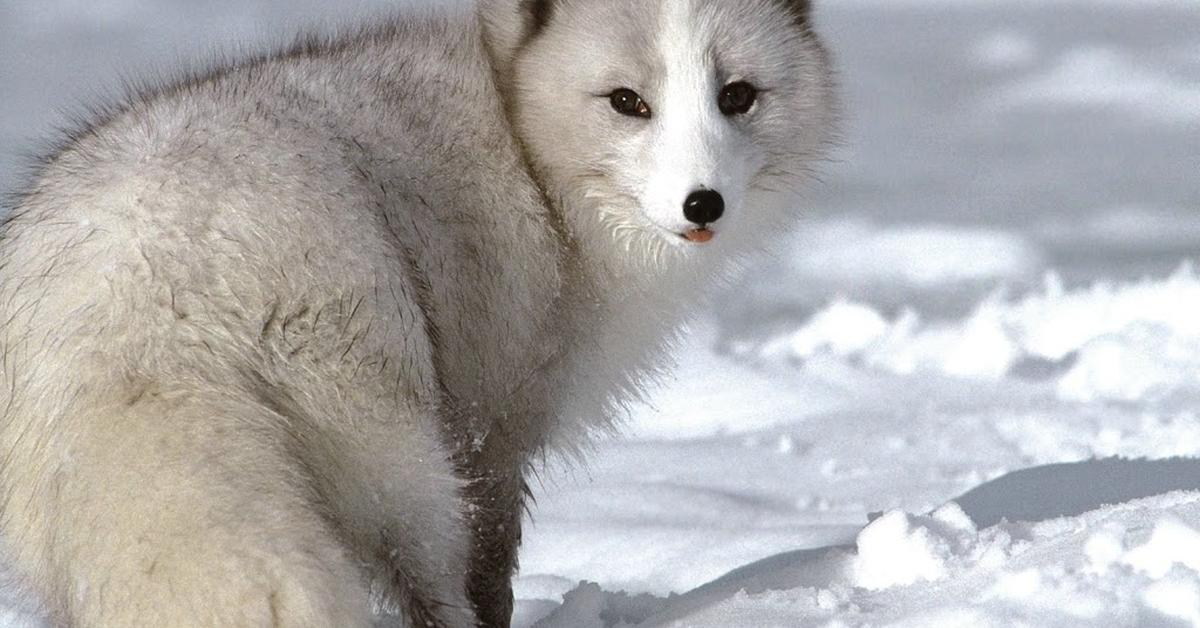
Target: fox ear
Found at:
x=538, y=14
x=510, y=24
x=802, y=9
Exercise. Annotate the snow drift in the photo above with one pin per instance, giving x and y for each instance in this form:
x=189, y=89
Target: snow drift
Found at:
x=1036, y=379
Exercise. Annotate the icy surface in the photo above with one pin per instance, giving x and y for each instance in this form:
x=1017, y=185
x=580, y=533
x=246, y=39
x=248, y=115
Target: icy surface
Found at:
x=966, y=394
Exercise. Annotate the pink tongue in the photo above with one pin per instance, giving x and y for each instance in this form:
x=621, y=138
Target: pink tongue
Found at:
x=699, y=236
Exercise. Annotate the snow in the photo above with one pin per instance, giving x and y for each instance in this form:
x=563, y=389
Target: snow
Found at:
x=1120, y=343
x=843, y=329
x=1043, y=543
x=898, y=549
x=965, y=394
x=1129, y=564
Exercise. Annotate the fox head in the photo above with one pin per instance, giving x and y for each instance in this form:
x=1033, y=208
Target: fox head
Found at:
x=680, y=129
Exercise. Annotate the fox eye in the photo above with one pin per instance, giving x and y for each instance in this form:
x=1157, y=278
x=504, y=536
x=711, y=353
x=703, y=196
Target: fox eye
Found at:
x=737, y=98
x=627, y=102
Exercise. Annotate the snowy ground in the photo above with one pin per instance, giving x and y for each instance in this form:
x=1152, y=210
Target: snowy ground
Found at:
x=912, y=416
x=854, y=413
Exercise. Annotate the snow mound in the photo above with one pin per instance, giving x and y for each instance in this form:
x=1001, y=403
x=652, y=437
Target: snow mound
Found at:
x=1171, y=543
x=1108, y=342
x=842, y=329
x=1132, y=564
x=899, y=549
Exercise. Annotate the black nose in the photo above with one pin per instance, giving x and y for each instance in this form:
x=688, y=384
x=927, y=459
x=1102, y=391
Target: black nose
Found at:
x=704, y=206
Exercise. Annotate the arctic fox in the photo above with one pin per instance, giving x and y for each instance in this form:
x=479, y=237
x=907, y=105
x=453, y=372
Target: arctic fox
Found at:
x=281, y=340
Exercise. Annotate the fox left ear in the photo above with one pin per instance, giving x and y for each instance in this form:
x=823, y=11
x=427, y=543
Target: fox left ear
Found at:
x=538, y=14
x=510, y=24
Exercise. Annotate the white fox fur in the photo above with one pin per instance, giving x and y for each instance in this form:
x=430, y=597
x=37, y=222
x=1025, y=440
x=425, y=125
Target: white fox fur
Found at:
x=281, y=340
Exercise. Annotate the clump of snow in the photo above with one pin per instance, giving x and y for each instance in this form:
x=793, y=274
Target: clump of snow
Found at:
x=1131, y=364
x=1107, y=342
x=1055, y=323
x=981, y=347
x=843, y=329
x=1171, y=543
x=1104, y=548
x=893, y=551
x=899, y=549
x=1178, y=598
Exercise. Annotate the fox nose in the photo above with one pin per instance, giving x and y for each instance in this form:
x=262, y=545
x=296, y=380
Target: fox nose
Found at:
x=704, y=207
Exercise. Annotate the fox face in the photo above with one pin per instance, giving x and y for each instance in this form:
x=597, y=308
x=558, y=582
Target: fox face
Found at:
x=672, y=126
